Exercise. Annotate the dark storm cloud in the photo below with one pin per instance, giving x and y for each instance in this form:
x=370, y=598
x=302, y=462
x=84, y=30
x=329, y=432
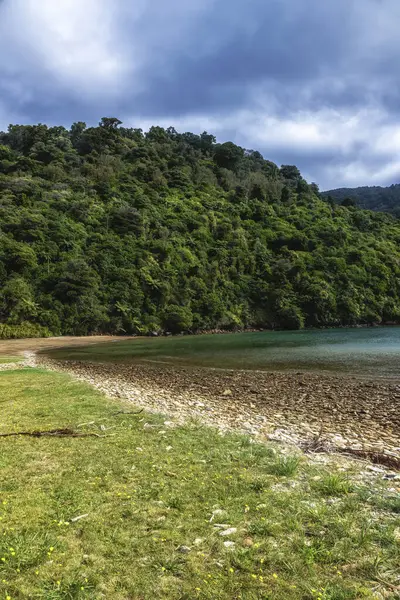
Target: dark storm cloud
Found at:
x=282, y=47
x=312, y=83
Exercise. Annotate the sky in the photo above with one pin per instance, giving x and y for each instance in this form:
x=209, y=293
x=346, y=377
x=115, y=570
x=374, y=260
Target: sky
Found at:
x=315, y=83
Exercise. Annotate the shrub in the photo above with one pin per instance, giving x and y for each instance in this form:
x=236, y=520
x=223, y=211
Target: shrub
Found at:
x=24, y=330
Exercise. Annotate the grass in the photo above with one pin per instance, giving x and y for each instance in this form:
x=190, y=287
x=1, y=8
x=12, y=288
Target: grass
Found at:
x=5, y=360
x=333, y=484
x=284, y=466
x=156, y=499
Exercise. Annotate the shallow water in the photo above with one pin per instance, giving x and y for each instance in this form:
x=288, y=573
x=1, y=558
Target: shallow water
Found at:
x=371, y=352
x=368, y=351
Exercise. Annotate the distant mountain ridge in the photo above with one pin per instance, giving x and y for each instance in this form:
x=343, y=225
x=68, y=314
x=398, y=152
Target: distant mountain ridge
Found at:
x=384, y=199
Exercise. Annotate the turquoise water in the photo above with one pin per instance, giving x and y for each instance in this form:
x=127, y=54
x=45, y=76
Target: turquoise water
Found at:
x=371, y=352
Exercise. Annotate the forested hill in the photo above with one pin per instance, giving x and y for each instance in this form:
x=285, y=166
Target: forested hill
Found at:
x=386, y=199
x=109, y=229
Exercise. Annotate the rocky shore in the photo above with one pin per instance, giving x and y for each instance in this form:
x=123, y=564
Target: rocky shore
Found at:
x=293, y=408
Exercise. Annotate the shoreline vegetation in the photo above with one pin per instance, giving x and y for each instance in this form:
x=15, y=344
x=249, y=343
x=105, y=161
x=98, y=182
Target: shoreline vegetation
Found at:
x=102, y=500
x=30, y=331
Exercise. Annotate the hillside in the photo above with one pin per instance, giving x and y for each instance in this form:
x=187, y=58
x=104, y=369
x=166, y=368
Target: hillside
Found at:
x=113, y=230
x=386, y=199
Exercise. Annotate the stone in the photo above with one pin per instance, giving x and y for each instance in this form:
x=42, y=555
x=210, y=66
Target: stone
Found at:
x=184, y=549
x=229, y=531
x=227, y=392
x=217, y=512
x=375, y=469
x=198, y=541
x=229, y=544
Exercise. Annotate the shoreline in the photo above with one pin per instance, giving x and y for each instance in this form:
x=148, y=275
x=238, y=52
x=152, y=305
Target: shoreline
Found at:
x=333, y=374
x=294, y=408
x=95, y=337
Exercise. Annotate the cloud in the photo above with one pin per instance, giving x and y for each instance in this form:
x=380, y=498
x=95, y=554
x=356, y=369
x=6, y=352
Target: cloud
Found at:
x=349, y=146
x=72, y=41
x=309, y=83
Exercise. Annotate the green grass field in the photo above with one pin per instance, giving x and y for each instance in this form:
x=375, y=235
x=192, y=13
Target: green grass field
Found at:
x=138, y=512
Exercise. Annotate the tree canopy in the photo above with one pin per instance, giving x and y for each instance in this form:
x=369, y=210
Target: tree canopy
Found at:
x=113, y=230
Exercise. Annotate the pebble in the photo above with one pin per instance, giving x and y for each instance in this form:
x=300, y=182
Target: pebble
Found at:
x=375, y=469
x=217, y=512
x=229, y=531
x=229, y=544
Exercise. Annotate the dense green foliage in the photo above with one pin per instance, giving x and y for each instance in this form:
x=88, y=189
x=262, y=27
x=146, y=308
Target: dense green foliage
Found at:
x=385, y=199
x=24, y=330
x=108, y=229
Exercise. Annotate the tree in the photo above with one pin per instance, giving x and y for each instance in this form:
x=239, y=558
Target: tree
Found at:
x=349, y=203
x=110, y=123
x=177, y=318
x=290, y=172
x=285, y=194
x=290, y=317
x=16, y=301
x=76, y=132
x=228, y=155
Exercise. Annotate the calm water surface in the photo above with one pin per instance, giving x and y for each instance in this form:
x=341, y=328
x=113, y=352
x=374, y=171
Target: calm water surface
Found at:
x=366, y=352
